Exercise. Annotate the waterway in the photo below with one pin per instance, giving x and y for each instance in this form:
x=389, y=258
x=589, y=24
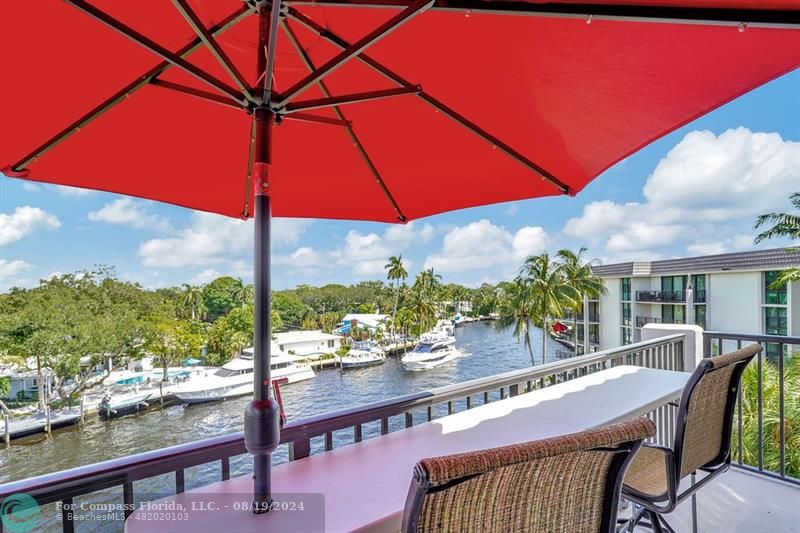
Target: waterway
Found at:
x=492, y=351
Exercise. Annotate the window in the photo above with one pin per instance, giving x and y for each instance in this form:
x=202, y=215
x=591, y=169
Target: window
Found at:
x=673, y=314
x=594, y=333
x=626, y=314
x=699, y=286
x=594, y=314
x=626, y=289
x=775, y=296
x=330, y=343
x=700, y=315
x=626, y=336
x=775, y=321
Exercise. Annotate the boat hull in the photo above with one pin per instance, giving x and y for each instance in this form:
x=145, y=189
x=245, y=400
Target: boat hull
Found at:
x=416, y=365
x=235, y=390
x=346, y=365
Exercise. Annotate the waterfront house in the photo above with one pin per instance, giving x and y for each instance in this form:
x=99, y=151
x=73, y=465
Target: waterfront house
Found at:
x=373, y=322
x=24, y=384
x=724, y=292
x=308, y=343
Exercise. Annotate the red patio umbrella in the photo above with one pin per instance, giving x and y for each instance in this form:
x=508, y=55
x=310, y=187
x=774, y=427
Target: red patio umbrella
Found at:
x=311, y=108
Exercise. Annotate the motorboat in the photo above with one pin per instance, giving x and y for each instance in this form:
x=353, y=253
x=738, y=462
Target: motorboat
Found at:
x=434, y=348
x=361, y=354
x=115, y=406
x=235, y=378
x=445, y=325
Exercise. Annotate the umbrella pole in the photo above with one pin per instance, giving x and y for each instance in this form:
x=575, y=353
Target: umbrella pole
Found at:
x=262, y=415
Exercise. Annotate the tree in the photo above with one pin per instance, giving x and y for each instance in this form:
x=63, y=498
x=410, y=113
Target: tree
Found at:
x=5, y=388
x=230, y=334
x=550, y=291
x=518, y=308
x=192, y=300
x=782, y=225
x=171, y=339
x=241, y=294
x=218, y=296
x=396, y=272
x=578, y=275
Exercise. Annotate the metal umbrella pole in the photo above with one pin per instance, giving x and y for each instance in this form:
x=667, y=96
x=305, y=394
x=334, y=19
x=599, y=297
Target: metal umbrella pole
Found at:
x=262, y=414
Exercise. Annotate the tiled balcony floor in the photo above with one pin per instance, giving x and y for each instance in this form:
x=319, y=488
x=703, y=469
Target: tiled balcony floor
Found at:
x=741, y=502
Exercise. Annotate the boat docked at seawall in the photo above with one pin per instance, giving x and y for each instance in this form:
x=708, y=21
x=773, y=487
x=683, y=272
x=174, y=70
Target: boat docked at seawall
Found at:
x=434, y=349
x=235, y=378
x=362, y=353
x=113, y=406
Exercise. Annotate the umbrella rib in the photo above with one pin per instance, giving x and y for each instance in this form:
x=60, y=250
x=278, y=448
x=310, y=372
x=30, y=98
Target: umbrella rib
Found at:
x=352, y=50
x=127, y=90
x=213, y=46
x=776, y=18
x=191, y=91
x=435, y=103
x=306, y=58
x=317, y=103
x=308, y=117
x=158, y=50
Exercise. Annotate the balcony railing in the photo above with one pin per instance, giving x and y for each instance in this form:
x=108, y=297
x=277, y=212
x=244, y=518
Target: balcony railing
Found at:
x=700, y=296
x=394, y=414
x=641, y=321
x=761, y=420
x=661, y=296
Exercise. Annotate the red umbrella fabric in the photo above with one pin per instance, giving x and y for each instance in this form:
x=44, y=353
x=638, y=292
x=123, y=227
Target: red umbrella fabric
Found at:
x=555, y=99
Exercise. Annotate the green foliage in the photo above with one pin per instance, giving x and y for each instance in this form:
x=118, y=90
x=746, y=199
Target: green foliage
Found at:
x=171, y=339
x=782, y=226
x=290, y=307
x=771, y=416
x=220, y=296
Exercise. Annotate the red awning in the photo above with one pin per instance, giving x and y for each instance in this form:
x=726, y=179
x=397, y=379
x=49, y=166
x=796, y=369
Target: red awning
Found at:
x=552, y=100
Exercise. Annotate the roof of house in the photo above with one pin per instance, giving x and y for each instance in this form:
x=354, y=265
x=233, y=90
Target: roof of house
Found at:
x=776, y=258
x=291, y=337
x=373, y=320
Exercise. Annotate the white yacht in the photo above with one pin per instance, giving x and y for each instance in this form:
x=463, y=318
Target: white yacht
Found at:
x=445, y=325
x=235, y=378
x=363, y=353
x=434, y=349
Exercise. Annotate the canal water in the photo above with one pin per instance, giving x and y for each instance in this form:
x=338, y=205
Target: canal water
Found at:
x=491, y=350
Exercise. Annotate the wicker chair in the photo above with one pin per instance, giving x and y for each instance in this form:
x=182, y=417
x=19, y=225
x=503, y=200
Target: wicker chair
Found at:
x=569, y=483
x=702, y=440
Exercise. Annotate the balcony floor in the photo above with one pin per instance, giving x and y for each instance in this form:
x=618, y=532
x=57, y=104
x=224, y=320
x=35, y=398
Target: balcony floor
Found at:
x=741, y=502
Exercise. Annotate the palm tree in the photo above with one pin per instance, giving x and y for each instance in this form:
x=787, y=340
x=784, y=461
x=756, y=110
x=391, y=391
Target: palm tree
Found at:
x=551, y=291
x=517, y=308
x=192, y=299
x=397, y=273
x=782, y=225
x=241, y=294
x=578, y=275
x=424, y=312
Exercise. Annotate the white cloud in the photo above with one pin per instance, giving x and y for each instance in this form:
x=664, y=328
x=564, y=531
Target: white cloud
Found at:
x=367, y=254
x=132, y=213
x=206, y=276
x=705, y=180
x=30, y=187
x=24, y=221
x=214, y=239
x=482, y=245
x=10, y=272
x=72, y=192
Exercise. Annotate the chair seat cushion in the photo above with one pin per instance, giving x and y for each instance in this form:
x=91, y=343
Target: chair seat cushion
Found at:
x=647, y=473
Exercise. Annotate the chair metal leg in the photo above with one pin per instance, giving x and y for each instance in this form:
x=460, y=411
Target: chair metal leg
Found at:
x=655, y=522
x=694, y=505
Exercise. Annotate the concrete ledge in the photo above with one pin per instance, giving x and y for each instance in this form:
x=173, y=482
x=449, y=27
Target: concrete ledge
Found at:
x=692, y=343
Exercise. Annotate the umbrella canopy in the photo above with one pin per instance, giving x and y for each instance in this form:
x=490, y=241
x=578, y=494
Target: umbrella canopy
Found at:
x=312, y=109
x=469, y=105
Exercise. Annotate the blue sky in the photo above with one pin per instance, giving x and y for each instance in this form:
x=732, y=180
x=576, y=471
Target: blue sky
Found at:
x=693, y=192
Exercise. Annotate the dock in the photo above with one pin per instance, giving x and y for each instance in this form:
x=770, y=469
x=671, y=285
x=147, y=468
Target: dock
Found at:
x=22, y=427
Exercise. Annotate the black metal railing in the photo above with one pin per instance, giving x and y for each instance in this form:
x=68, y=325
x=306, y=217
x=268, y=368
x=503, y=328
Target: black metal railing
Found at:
x=661, y=296
x=764, y=424
x=393, y=414
x=641, y=321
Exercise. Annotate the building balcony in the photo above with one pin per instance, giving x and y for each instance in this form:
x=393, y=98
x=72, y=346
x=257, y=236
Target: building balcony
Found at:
x=362, y=458
x=699, y=296
x=641, y=321
x=661, y=296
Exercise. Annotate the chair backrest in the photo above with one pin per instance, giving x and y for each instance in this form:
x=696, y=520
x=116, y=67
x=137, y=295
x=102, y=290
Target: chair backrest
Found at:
x=705, y=413
x=566, y=483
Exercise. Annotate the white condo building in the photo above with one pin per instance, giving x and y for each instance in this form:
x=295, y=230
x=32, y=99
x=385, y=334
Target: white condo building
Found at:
x=726, y=292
